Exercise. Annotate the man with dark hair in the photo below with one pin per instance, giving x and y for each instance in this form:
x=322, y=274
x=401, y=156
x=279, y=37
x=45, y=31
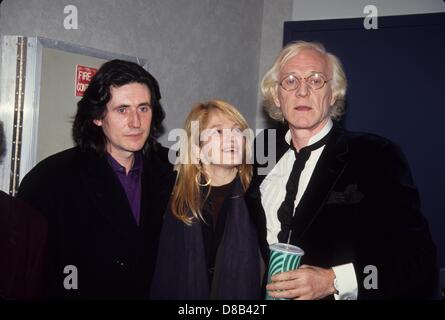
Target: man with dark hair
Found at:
x=104, y=198
x=22, y=245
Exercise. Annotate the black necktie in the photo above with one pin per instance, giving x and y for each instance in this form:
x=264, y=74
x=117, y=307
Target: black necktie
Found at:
x=286, y=211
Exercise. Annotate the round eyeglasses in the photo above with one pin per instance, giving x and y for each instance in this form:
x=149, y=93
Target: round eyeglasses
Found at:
x=315, y=81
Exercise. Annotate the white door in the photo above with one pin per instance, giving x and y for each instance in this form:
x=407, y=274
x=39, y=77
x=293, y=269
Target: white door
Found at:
x=38, y=99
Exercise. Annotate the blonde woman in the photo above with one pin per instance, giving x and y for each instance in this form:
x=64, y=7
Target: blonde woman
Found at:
x=209, y=246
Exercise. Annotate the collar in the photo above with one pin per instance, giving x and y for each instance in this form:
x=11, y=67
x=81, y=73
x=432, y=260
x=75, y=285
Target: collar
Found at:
x=320, y=135
x=118, y=168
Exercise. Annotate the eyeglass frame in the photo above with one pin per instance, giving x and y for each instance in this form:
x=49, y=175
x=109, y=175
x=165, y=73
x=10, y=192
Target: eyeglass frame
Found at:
x=325, y=80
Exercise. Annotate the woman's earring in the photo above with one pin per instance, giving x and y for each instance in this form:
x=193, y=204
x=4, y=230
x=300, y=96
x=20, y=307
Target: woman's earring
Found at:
x=198, y=179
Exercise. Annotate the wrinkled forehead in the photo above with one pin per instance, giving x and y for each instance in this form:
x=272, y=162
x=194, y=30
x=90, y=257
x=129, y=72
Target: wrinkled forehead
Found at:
x=306, y=61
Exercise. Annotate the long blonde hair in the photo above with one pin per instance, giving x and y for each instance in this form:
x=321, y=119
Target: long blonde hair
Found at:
x=187, y=194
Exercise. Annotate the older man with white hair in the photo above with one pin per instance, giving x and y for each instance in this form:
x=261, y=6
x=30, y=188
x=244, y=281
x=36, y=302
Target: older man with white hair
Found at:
x=347, y=199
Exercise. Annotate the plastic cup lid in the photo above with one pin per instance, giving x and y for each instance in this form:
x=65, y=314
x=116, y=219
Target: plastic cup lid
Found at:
x=286, y=248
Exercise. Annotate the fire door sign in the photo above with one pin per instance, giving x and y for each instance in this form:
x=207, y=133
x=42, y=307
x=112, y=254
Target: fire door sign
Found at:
x=83, y=77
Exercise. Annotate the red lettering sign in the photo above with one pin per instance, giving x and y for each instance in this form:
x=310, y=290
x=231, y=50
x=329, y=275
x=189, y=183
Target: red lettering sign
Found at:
x=83, y=78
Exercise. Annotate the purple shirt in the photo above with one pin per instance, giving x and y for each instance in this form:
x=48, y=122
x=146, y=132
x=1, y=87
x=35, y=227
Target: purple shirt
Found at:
x=131, y=182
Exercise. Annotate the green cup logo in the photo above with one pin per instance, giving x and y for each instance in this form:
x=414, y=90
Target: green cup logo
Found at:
x=283, y=257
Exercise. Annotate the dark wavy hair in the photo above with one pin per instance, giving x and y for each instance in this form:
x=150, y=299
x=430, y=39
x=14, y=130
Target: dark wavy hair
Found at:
x=2, y=143
x=93, y=105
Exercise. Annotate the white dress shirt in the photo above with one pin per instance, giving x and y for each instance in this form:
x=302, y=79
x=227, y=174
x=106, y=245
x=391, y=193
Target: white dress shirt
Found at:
x=273, y=192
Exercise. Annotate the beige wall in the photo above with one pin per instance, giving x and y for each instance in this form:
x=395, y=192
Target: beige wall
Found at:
x=58, y=103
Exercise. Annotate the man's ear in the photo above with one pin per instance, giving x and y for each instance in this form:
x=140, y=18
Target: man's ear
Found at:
x=334, y=97
x=275, y=97
x=97, y=122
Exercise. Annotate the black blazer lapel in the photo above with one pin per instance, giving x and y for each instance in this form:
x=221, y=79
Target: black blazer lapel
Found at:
x=264, y=148
x=326, y=173
x=268, y=152
x=106, y=193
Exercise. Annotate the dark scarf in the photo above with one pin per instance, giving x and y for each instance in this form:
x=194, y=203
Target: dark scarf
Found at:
x=181, y=268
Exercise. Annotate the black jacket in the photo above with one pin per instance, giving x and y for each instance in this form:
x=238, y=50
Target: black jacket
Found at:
x=91, y=225
x=23, y=233
x=360, y=206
